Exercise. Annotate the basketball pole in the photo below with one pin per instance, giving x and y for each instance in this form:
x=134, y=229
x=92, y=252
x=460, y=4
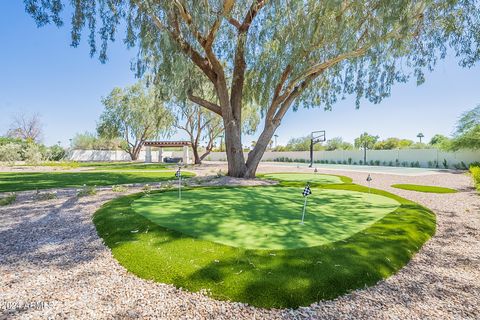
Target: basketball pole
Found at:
x=316, y=137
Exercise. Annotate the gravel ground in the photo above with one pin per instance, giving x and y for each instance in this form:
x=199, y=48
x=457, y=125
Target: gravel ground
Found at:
x=50, y=253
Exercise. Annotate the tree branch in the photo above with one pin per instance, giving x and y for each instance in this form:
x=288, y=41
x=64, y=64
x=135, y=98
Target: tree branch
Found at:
x=206, y=104
x=227, y=8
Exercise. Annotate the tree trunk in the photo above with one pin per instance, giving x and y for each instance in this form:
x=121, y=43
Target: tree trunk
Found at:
x=256, y=154
x=233, y=143
x=134, y=152
x=196, y=156
x=134, y=155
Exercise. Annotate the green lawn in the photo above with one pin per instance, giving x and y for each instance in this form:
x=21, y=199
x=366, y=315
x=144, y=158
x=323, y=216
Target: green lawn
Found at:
x=268, y=278
x=15, y=181
x=266, y=218
x=420, y=188
x=307, y=177
x=125, y=165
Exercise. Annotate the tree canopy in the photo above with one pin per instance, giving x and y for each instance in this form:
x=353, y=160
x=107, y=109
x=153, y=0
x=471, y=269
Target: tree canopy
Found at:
x=276, y=54
x=135, y=115
x=467, y=133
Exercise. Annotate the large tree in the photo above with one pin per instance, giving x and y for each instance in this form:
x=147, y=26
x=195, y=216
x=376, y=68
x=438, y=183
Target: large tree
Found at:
x=134, y=114
x=276, y=54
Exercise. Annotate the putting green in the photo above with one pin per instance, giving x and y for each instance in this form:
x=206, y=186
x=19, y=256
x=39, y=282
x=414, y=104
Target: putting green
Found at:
x=265, y=217
x=304, y=177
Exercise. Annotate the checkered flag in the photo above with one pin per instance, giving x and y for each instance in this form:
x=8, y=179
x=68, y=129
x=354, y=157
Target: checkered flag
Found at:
x=306, y=192
x=369, y=178
x=178, y=174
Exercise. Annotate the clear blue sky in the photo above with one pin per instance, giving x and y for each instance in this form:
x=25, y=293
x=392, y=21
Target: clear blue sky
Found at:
x=41, y=73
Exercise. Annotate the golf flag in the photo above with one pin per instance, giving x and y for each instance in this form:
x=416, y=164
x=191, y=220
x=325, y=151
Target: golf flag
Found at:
x=306, y=192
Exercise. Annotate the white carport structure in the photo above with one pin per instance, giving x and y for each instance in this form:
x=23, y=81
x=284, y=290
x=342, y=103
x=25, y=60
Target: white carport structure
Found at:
x=166, y=144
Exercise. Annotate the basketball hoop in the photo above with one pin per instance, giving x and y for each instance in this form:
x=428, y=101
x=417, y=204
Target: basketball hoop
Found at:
x=316, y=137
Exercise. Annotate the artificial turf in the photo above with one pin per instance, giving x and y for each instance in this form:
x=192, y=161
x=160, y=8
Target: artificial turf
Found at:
x=421, y=188
x=267, y=217
x=265, y=278
x=119, y=165
x=307, y=177
x=19, y=181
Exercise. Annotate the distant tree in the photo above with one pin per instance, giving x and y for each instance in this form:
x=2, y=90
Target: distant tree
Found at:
x=337, y=143
x=301, y=144
x=467, y=133
x=366, y=141
x=200, y=125
x=440, y=141
x=392, y=143
x=405, y=143
x=276, y=54
x=420, y=136
x=26, y=127
x=135, y=115
x=91, y=141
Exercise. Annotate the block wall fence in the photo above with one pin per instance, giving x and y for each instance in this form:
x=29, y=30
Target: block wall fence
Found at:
x=402, y=157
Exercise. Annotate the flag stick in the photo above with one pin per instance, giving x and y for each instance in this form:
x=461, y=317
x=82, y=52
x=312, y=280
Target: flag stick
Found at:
x=180, y=187
x=304, y=207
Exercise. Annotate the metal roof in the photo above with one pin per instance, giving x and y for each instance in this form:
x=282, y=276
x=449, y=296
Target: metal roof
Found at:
x=167, y=143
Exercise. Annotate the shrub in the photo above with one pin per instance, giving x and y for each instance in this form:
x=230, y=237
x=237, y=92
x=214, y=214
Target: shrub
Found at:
x=372, y=162
x=45, y=196
x=355, y=163
x=475, y=171
x=390, y=163
x=344, y=162
x=445, y=163
x=32, y=153
x=56, y=153
x=361, y=162
x=349, y=160
x=147, y=189
x=377, y=162
x=87, y=191
x=119, y=188
x=11, y=152
x=5, y=201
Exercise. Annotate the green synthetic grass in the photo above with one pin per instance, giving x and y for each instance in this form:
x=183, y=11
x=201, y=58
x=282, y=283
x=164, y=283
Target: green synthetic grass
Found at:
x=106, y=165
x=267, y=217
x=307, y=177
x=420, y=188
x=265, y=278
x=15, y=181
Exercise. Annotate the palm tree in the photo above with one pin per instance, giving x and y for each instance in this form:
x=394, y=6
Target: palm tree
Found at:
x=420, y=136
